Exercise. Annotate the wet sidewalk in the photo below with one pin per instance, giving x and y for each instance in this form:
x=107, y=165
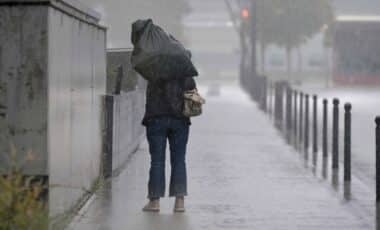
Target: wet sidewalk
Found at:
x=242, y=175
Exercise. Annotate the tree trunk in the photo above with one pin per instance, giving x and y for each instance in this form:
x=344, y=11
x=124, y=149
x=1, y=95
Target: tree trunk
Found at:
x=289, y=62
x=263, y=50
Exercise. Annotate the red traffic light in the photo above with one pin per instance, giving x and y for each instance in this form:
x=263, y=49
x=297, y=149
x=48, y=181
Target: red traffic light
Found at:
x=245, y=13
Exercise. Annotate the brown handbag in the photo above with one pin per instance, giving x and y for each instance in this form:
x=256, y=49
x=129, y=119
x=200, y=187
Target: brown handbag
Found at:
x=193, y=103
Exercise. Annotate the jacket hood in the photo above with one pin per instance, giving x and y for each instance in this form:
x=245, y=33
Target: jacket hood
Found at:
x=138, y=28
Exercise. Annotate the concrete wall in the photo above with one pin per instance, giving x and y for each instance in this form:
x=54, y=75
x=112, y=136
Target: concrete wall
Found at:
x=23, y=85
x=128, y=111
x=77, y=70
x=124, y=111
x=52, y=82
x=120, y=58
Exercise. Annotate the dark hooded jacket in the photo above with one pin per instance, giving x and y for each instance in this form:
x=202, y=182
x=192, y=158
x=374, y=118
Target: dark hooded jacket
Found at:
x=165, y=98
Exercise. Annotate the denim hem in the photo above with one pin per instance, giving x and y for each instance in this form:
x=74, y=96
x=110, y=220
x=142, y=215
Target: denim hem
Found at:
x=155, y=197
x=178, y=194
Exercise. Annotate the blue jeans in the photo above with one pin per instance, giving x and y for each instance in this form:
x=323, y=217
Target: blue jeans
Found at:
x=159, y=130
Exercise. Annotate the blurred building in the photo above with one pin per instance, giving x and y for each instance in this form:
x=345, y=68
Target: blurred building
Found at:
x=356, y=7
x=315, y=56
x=213, y=39
x=356, y=51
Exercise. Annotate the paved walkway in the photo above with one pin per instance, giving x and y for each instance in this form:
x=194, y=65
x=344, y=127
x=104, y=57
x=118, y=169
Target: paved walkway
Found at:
x=242, y=175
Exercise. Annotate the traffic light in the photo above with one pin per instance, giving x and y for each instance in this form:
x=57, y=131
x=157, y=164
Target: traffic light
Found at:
x=245, y=13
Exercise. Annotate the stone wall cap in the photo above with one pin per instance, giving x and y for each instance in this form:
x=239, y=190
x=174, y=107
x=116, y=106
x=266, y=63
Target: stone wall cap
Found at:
x=72, y=7
x=119, y=50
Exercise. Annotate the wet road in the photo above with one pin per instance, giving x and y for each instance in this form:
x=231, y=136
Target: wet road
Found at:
x=242, y=175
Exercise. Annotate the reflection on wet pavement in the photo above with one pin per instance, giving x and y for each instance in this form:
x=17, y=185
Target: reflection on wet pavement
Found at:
x=236, y=181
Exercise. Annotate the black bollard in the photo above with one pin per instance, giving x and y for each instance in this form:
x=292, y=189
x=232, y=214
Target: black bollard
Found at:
x=254, y=88
x=271, y=99
x=269, y=95
x=301, y=119
x=278, y=106
x=335, y=179
x=307, y=122
x=295, y=112
x=335, y=138
x=288, y=113
x=284, y=87
x=261, y=92
x=274, y=98
x=347, y=193
x=347, y=142
x=324, y=167
x=325, y=131
x=377, y=120
x=315, y=129
x=265, y=95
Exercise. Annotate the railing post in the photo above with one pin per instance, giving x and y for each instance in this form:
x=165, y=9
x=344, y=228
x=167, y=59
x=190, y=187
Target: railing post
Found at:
x=315, y=129
x=325, y=130
x=347, y=142
x=295, y=112
x=307, y=122
x=335, y=139
x=301, y=120
x=377, y=120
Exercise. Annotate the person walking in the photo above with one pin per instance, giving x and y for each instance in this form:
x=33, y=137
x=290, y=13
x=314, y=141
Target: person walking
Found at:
x=171, y=99
x=165, y=122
